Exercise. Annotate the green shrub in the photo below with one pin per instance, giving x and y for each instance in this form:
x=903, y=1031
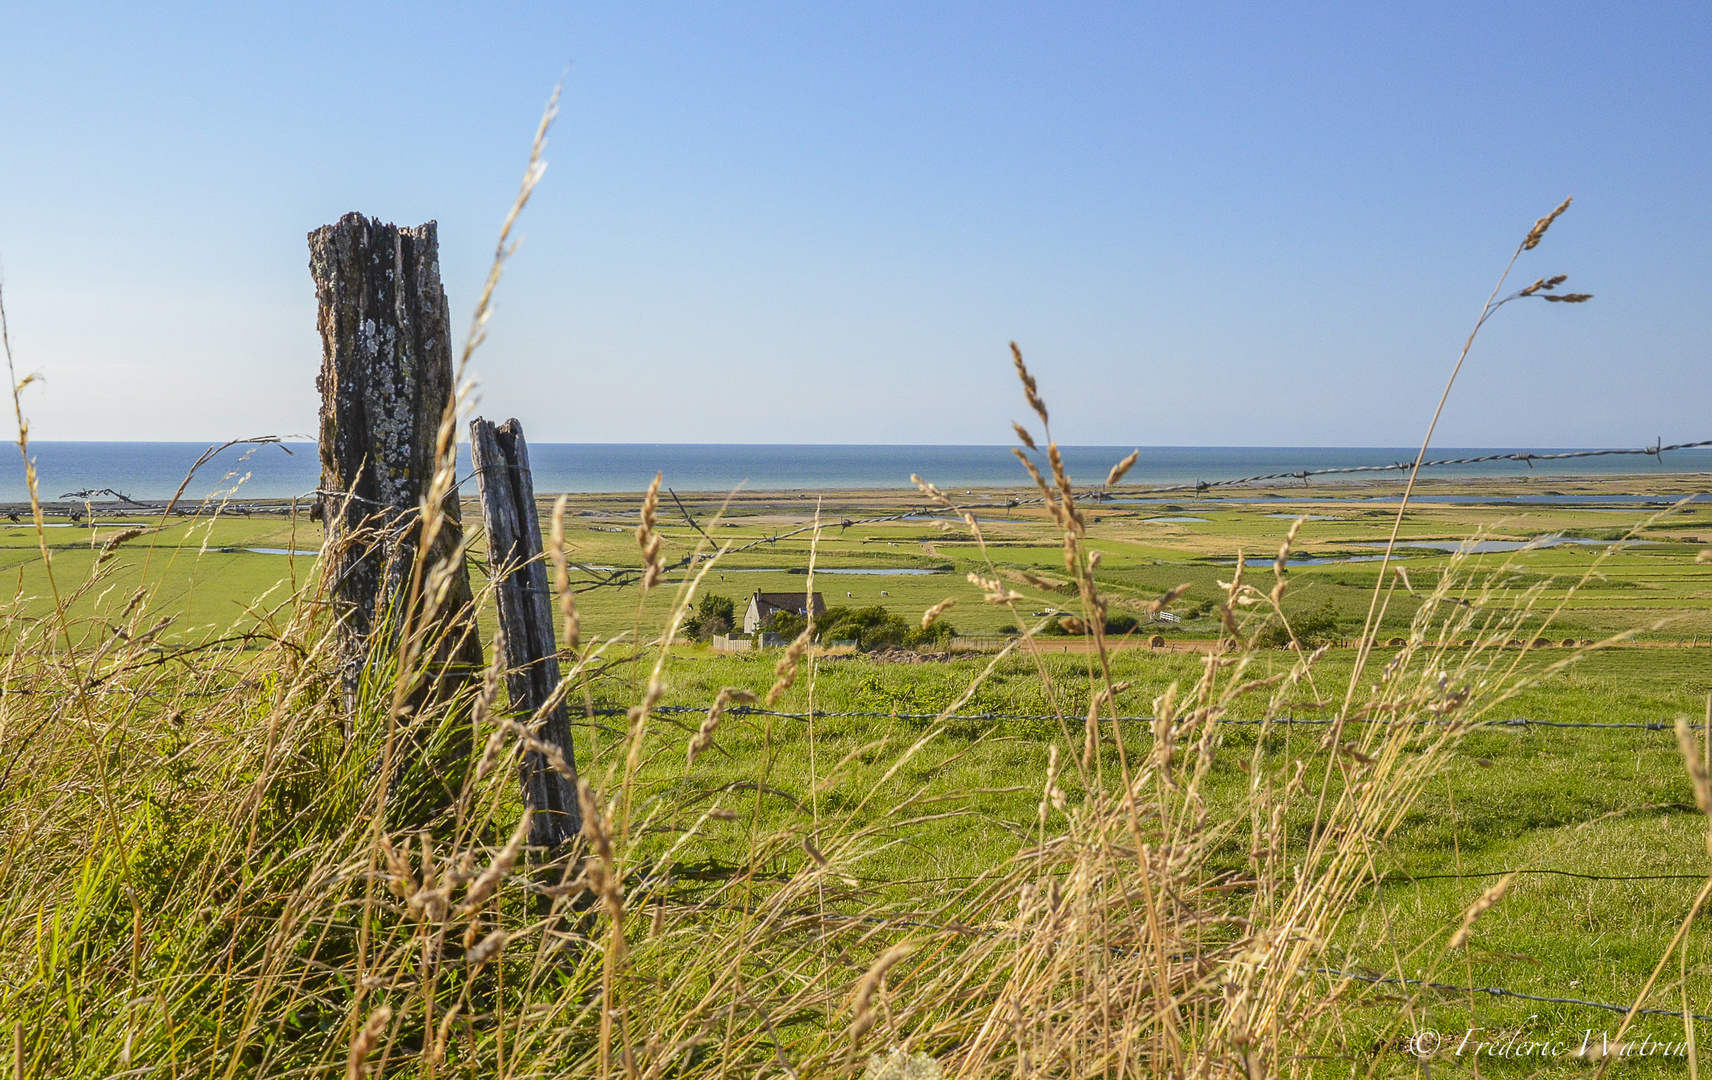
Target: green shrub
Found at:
x=1115, y=625
x=1313, y=627
x=784, y=623
x=870, y=627
x=713, y=614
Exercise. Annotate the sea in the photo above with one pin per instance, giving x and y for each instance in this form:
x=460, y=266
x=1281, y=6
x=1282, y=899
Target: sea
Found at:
x=155, y=470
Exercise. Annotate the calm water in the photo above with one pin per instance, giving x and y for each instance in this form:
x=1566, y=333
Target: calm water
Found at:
x=152, y=470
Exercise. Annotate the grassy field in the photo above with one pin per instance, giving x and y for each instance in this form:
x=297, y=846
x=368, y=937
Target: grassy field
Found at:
x=919, y=823
x=1146, y=549
x=1556, y=802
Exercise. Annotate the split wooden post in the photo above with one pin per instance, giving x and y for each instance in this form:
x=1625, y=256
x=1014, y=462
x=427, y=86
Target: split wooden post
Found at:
x=528, y=647
x=386, y=388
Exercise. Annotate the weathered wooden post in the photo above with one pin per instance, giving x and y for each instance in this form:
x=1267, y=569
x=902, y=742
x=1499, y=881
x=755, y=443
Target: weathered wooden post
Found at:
x=529, y=649
x=386, y=385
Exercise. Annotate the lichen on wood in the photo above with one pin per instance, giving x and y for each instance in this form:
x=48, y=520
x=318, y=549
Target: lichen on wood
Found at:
x=386, y=387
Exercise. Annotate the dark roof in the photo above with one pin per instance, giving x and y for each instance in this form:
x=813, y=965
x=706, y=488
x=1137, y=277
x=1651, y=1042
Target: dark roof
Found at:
x=787, y=601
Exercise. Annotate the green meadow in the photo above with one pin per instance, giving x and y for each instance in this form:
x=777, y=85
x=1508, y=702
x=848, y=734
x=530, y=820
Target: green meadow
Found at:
x=205, y=572
x=916, y=807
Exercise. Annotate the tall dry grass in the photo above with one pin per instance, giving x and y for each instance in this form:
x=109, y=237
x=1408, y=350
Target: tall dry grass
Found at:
x=202, y=873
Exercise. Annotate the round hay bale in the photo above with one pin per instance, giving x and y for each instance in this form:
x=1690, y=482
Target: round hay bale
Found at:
x=1467, y=643
x=1513, y=643
x=1541, y=643
x=1569, y=643
x=1157, y=641
x=1396, y=643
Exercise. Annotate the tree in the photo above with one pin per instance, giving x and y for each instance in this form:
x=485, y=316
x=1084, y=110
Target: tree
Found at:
x=713, y=614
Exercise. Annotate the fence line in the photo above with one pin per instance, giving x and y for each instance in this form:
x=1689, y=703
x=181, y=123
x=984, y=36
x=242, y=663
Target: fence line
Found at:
x=874, y=714
x=1377, y=980
x=1398, y=877
x=1274, y=721
x=1499, y=991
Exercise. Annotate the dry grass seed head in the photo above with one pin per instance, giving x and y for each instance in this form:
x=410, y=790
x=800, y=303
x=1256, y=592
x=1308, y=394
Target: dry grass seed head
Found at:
x=929, y=490
x=932, y=614
x=1170, y=597
x=1091, y=727
x=430, y=863
x=1046, y=496
x=703, y=738
x=1037, y=581
x=1052, y=797
x=601, y=879
x=1234, y=585
x=1403, y=576
x=648, y=537
x=487, y=948
x=1351, y=751
x=562, y=575
x=1478, y=908
x=356, y=1064
x=1122, y=467
x=1538, y=232
x=1022, y=433
x=786, y=670
x=1228, y=621
x=1283, y=560
x=400, y=880
x=994, y=592
x=869, y=986
x=1029, y=390
x=1696, y=764
x=638, y=714
x=1070, y=517
x=488, y=881
x=814, y=853
x=113, y=542
x=1544, y=284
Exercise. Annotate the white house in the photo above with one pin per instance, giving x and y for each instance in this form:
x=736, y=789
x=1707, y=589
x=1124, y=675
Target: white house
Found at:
x=763, y=604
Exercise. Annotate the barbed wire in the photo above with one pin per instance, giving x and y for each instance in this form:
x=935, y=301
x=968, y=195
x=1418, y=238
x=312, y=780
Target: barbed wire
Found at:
x=1499, y=991
x=875, y=714
x=915, y=923
x=1275, y=721
x=1410, y=879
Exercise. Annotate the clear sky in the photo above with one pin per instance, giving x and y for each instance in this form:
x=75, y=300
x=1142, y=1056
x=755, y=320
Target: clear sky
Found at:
x=800, y=222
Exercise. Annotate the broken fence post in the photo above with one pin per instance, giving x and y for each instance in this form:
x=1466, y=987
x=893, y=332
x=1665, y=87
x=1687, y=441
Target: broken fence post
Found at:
x=529, y=648
x=386, y=388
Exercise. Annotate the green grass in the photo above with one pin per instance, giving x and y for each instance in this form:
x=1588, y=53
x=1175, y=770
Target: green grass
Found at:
x=1609, y=803
x=1600, y=802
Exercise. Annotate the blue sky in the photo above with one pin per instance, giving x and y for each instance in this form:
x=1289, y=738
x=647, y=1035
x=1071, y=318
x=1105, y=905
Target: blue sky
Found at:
x=1204, y=223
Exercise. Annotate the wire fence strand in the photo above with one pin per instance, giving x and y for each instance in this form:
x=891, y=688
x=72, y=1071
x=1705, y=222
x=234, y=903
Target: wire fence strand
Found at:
x=1499, y=991
x=1271, y=721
